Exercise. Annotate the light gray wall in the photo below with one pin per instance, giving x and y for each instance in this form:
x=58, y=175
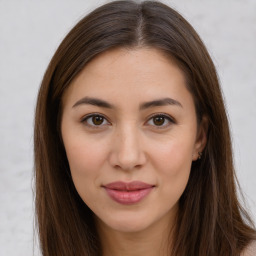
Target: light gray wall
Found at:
x=30, y=31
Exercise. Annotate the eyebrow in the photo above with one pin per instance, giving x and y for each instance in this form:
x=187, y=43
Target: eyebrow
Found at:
x=104, y=104
x=160, y=102
x=93, y=101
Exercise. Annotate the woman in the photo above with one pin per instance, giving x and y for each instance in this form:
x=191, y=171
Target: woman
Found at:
x=132, y=145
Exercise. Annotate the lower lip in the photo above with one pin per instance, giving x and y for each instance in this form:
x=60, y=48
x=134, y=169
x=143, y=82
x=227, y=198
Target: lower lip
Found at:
x=128, y=197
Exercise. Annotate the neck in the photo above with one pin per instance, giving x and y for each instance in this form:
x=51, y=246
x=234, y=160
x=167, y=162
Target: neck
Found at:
x=153, y=241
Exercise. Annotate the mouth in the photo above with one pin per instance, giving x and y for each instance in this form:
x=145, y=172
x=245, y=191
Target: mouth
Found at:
x=128, y=193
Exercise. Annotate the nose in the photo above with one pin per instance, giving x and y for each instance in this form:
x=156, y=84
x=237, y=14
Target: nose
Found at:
x=127, y=149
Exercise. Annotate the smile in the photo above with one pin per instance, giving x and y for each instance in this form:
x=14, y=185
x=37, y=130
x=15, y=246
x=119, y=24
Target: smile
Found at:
x=128, y=193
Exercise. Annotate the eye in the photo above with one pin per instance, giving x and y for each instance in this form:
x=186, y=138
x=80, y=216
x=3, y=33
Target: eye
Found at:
x=160, y=120
x=95, y=120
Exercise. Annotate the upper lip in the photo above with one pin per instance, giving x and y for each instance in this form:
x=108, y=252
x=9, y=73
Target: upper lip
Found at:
x=128, y=186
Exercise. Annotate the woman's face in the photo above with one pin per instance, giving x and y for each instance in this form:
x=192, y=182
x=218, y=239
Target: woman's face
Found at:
x=130, y=132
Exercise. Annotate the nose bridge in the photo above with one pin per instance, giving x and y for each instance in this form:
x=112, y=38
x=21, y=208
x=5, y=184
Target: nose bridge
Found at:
x=128, y=150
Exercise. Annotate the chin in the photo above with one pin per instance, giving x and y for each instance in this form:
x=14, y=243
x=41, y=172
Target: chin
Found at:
x=129, y=227
x=127, y=224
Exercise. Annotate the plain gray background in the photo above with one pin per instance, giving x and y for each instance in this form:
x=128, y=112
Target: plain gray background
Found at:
x=30, y=32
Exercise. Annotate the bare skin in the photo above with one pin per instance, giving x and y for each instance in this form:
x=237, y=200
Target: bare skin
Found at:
x=127, y=117
x=152, y=241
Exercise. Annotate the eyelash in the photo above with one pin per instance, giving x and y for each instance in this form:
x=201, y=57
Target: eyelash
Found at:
x=93, y=126
x=166, y=117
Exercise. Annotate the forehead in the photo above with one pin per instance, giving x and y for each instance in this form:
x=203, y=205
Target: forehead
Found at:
x=122, y=61
x=121, y=74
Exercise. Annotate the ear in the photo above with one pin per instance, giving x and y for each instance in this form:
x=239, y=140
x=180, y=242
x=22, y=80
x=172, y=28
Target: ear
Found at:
x=201, y=139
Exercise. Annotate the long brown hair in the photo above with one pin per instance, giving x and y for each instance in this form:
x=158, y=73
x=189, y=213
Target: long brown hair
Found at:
x=210, y=220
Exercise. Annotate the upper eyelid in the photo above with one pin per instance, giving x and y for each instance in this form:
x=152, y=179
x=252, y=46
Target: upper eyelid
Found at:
x=171, y=121
x=162, y=114
x=94, y=114
x=170, y=118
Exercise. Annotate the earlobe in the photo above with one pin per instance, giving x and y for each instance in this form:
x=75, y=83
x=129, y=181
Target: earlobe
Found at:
x=201, y=139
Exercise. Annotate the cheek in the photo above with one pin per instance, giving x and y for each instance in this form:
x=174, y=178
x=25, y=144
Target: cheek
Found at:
x=84, y=154
x=85, y=161
x=173, y=164
x=174, y=157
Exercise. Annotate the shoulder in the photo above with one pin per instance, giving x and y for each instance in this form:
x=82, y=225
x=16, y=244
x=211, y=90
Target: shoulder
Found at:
x=250, y=250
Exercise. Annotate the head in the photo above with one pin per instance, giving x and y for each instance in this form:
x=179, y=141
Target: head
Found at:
x=149, y=31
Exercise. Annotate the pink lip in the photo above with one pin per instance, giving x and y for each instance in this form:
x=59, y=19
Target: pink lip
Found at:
x=128, y=193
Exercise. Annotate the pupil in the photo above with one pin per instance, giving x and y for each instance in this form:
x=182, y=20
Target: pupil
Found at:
x=159, y=120
x=97, y=120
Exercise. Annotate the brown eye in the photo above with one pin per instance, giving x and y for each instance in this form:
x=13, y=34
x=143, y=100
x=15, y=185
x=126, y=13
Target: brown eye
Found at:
x=159, y=120
x=97, y=120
